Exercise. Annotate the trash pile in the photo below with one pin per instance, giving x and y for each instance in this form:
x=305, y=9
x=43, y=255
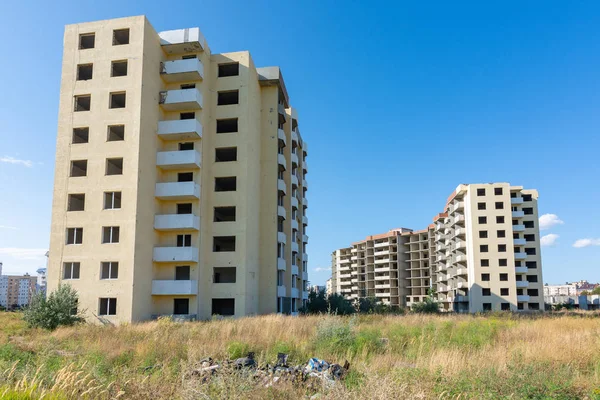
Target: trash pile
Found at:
x=314, y=373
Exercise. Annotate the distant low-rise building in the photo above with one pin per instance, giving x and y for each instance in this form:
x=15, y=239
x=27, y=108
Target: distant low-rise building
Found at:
x=581, y=302
x=328, y=287
x=568, y=289
x=317, y=288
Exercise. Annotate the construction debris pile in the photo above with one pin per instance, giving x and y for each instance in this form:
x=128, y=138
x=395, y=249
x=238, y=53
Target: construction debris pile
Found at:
x=315, y=373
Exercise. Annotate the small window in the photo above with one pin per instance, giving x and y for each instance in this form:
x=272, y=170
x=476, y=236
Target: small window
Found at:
x=110, y=234
x=529, y=224
x=482, y=220
x=534, y=306
x=224, y=214
x=504, y=292
x=114, y=166
x=225, y=184
x=498, y=191
x=224, y=275
x=80, y=135
x=185, y=177
x=78, y=168
x=71, y=270
x=120, y=36
x=501, y=233
x=112, y=200
x=87, y=41
x=485, y=262
x=480, y=192
x=223, y=243
x=228, y=125
x=531, y=264
x=186, y=146
x=76, y=202
x=527, y=210
x=182, y=273
x=225, y=307
x=187, y=115
x=505, y=306
x=487, y=306
x=181, y=306
x=502, y=248
x=85, y=72
x=184, y=240
x=532, y=278
x=499, y=205
x=83, y=102
x=485, y=277
x=503, y=277
x=527, y=197
x=532, y=292
x=483, y=234
x=500, y=219
x=117, y=100
x=486, y=292
x=184, y=208
x=108, y=306
x=230, y=69
x=228, y=97
x=74, y=235
x=530, y=251
x=503, y=262
x=520, y=306
x=483, y=248
x=481, y=206
x=116, y=133
x=529, y=237
x=225, y=154
x=118, y=68
x=109, y=270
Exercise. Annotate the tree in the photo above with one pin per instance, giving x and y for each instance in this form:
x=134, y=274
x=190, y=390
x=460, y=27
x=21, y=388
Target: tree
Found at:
x=317, y=302
x=59, y=309
x=429, y=306
x=337, y=304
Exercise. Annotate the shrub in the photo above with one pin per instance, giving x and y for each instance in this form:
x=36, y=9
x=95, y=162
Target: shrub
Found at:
x=60, y=309
x=338, y=304
x=335, y=335
x=429, y=306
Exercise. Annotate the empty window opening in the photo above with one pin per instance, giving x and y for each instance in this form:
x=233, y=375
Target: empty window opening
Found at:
x=110, y=234
x=224, y=307
x=80, y=135
x=529, y=237
x=528, y=224
x=532, y=292
x=229, y=69
x=487, y=306
x=499, y=205
x=483, y=248
x=498, y=191
x=503, y=277
x=228, y=125
x=184, y=240
x=483, y=234
x=228, y=97
x=482, y=220
x=485, y=277
x=223, y=243
x=114, y=166
x=181, y=306
x=76, y=202
x=187, y=115
x=120, y=36
x=186, y=146
x=527, y=210
x=188, y=86
x=112, y=200
x=504, y=292
x=188, y=57
x=485, y=263
x=116, y=133
x=87, y=41
x=79, y=168
x=225, y=184
x=505, y=306
x=534, y=306
x=108, y=306
x=224, y=275
x=480, y=192
x=74, y=235
x=85, y=72
x=527, y=197
x=530, y=251
x=224, y=214
x=501, y=233
x=501, y=248
x=531, y=264
x=118, y=68
x=225, y=154
x=184, y=208
x=185, y=177
x=71, y=270
x=83, y=102
x=486, y=292
x=481, y=206
x=182, y=273
x=532, y=278
x=503, y=262
x=117, y=100
x=499, y=219
x=109, y=270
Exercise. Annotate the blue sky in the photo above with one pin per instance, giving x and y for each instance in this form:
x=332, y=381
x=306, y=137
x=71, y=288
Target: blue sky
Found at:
x=390, y=95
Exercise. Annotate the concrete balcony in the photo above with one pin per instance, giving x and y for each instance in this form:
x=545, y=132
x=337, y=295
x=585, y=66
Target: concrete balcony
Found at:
x=460, y=245
x=295, y=248
x=305, y=275
x=461, y=259
x=518, y=228
x=177, y=222
x=458, y=206
x=177, y=191
x=304, y=238
x=179, y=129
x=295, y=293
x=516, y=200
x=294, y=180
x=304, y=295
x=281, y=237
x=281, y=136
x=519, y=242
x=382, y=261
x=382, y=286
x=294, y=137
x=281, y=292
x=522, y=298
x=518, y=214
x=345, y=261
x=381, y=253
x=281, y=212
x=304, y=202
x=295, y=224
x=295, y=159
x=461, y=299
x=304, y=220
x=382, y=277
x=281, y=264
x=282, y=161
x=522, y=284
x=281, y=186
x=458, y=232
x=381, y=244
x=442, y=288
x=174, y=288
x=175, y=254
x=305, y=148
x=182, y=70
x=461, y=271
x=179, y=41
x=184, y=159
x=462, y=285
x=304, y=166
x=521, y=270
x=520, y=256
x=294, y=202
x=382, y=294
x=294, y=269
x=304, y=183
x=180, y=99
x=458, y=219
x=281, y=111
x=304, y=257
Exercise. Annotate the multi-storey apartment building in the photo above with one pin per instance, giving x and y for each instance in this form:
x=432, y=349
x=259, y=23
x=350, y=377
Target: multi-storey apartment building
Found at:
x=180, y=182
x=482, y=253
x=16, y=290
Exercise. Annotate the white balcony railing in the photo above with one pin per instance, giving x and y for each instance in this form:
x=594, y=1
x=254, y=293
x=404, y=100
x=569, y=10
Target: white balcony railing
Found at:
x=174, y=288
x=281, y=161
x=281, y=264
x=175, y=254
x=177, y=191
x=518, y=214
x=182, y=70
x=184, y=159
x=180, y=99
x=281, y=186
x=281, y=136
x=177, y=222
x=180, y=129
x=178, y=41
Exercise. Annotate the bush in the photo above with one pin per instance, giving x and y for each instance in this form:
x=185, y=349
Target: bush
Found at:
x=338, y=304
x=59, y=309
x=335, y=335
x=429, y=306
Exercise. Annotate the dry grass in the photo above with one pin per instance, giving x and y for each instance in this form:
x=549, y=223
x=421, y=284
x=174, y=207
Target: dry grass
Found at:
x=454, y=356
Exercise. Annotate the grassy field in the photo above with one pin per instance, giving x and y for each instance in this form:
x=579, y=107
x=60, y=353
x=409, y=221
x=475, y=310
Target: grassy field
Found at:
x=412, y=356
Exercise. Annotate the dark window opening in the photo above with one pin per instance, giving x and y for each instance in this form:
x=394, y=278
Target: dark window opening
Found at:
x=532, y=278
x=534, y=306
x=224, y=214
x=225, y=184
x=71, y=270
x=114, y=166
x=531, y=264
x=530, y=251
x=87, y=41
x=224, y=275
x=188, y=86
x=527, y=210
x=224, y=307
x=79, y=168
x=117, y=100
x=223, y=243
x=116, y=133
x=503, y=262
x=110, y=234
x=482, y=220
x=498, y=191
x=485, y=277
x=503, y=277
x=74, y=235
x=184, y=240
x=225, y=154
x=109, y=270
x=483, y=248
x=120, y=36
x=481, y=206
x=504, y=292
x=505, y=306
x=228, y=97
x=184, y=208
x=187, y=115
x=520, y=306
x=499, y=219
x=85, y=72
x=118, y=68
x=499, y=205
x=485, y=263
x=529, y=238
x=501, y=248
x=186, y=146
x=487, y=306
x=527, y=197
x=228, y=125
x=230, y=69
x=76, y=202
x=185, y=177
x=533, y=292
x=80, y=135
x=83, y=102
x=181, y=306
x=188, y=57
x=501, y=233
x=486, y=292
x=480, y=192
x=182, y=273
x=529, y=224
x=483, y=234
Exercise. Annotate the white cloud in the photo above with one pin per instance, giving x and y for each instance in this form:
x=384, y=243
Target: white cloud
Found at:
x=586, y=243
x=547, y=221
x=321, y=269
x=549, y=240
x=14, y=228
x=12, y=160
x=22, y=253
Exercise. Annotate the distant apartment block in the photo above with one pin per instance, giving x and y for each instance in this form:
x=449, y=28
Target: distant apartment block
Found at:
x=569, y=289
x=482, y=253
x=16, y=290
x=180, y=179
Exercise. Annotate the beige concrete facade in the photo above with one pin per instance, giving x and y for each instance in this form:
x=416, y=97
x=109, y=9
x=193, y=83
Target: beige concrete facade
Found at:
x=180, y=190
x=482, y=253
